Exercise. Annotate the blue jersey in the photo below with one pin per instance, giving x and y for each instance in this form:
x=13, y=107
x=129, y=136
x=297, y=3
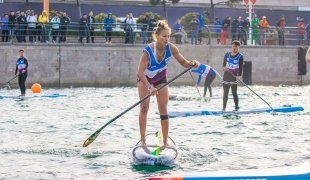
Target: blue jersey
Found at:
x=203, y=70
x=233, y=63
x=21, y=65
x=156, y=70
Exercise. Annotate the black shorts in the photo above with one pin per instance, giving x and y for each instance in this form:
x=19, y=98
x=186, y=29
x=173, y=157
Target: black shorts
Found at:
x=163, y=80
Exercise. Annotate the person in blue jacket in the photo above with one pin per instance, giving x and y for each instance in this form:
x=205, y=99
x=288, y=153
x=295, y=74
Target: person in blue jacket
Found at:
x=308, y=33
x=201, y=24
x=218, y=24
x=5, y=27
x=208, y=72
x=107, y=23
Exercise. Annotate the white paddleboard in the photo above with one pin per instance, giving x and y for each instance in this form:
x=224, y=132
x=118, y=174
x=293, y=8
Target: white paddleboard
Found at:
x=154, y=154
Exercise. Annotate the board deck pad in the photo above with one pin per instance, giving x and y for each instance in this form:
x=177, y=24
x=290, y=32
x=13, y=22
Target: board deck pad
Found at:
x=154, y=154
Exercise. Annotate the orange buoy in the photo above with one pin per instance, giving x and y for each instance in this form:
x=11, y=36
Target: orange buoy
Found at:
x=36, y=88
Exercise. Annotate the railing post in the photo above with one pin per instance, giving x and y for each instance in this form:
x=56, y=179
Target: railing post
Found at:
x=209, y=32
x=87, y=34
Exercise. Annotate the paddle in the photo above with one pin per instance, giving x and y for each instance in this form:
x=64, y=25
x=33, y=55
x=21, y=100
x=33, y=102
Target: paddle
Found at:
x=8, y=83
x=95, y=135
x=194, y=82
x=273, y=111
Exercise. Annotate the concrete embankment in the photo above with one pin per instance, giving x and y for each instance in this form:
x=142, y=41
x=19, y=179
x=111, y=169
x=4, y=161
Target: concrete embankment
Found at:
x=77, y=65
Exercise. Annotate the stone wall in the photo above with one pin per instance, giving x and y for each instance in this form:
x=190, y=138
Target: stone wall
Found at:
x=53, y=65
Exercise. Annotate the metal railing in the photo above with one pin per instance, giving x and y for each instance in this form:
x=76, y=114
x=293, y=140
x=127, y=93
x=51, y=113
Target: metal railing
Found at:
x=132, y=33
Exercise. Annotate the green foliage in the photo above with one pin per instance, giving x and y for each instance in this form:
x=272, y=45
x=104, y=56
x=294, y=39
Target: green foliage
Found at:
x=233, y=3
x=53, y=13
x=148, y=14
x=156, y=2
x=207, y=12
x=186, y=20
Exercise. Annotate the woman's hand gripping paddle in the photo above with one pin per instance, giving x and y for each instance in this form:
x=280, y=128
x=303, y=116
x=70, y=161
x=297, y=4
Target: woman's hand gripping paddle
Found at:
x=95, y=135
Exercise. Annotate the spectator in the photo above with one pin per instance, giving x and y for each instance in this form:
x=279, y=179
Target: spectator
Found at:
x=244, y=31
x=263, y=25
x=131, y=22
x=217, y=23
x=26, y=16
x=91, y=25
x=200, y=30
x=281, y=23
x=152, y=24
x=234, y=28
x=301, y=31
x=44, y=20
x=5, y=27
x=64, y=21
x=179, y=29
x=22, y=24
x=126, y=29
x=82, y=27
x=240, y=28
x=31, y=19
x=16, y=31
x=255, y=26
x=308, y=33
x=194, y=29
x=144, y=22
x=12, y=21
x=107, y=23
x=224, y=31
x=36, y=32
x=55, y=27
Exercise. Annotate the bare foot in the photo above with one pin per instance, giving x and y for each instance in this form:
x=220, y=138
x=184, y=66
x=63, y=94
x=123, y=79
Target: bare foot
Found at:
x=142, y=142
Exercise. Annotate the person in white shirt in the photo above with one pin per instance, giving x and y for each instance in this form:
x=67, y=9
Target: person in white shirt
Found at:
x=32, y=20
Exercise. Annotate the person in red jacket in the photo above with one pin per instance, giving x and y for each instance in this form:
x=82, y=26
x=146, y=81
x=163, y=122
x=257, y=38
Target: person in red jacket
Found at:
x=301, y=31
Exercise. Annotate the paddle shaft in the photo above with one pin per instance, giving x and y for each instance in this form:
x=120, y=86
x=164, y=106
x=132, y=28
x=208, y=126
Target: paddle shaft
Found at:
x=194, y=82
x=94, y=135
x=253, y=92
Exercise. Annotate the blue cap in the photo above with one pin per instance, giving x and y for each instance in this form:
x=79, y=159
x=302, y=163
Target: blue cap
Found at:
x=109, y=13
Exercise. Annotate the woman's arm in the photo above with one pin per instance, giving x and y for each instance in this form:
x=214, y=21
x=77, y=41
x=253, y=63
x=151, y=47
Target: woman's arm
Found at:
x=143, y=64
x=184, y=62
x=308, y=55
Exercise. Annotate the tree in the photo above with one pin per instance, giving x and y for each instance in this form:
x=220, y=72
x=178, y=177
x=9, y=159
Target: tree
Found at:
x=27, y=4
x=79, y=8
x=186, y=20
x=229, y=3
x=163, y=2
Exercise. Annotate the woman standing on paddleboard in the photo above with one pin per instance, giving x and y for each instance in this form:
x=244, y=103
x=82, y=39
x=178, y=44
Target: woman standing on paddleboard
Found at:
x=208, y=72
x=152, y=73
x=21, y=67
x=232, y=66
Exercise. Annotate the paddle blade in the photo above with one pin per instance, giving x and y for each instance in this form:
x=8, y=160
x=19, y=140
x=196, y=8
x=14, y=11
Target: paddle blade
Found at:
x=91, y=139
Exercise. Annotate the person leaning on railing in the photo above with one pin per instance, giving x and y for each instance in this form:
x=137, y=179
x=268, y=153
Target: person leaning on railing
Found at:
x=55, y=27
x=107, y=23
x=44, y=20
x=308, y=33
x=301, y=31
x=64, y=21
x=32, y=20
x=22, y=25
x=263, y=25
x=144, y=22
x=5, y=28
x=82, y=27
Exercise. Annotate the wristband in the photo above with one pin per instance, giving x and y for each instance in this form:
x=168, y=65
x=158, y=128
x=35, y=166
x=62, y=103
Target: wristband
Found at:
x=150, y=87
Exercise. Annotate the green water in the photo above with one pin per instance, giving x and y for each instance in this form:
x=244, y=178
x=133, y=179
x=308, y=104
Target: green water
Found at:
x=41, y=138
